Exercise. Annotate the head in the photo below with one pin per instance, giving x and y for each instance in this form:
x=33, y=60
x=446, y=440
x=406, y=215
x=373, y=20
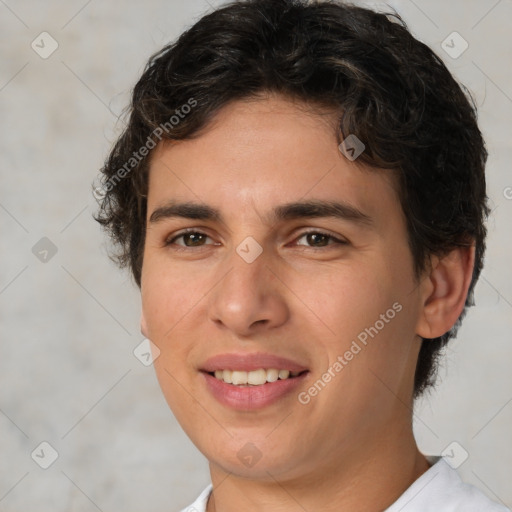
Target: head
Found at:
x=244, y=114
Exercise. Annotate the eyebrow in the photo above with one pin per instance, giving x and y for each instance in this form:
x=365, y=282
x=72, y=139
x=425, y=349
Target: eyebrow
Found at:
x=289, y=211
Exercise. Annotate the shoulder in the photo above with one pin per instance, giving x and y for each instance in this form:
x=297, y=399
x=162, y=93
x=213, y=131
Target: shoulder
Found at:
x=200, y=504
x=441, y=489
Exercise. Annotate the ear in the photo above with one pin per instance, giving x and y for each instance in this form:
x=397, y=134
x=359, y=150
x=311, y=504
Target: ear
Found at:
x=444, y=292
x=143, y=325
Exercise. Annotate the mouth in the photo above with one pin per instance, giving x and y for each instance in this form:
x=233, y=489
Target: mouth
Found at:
x=251, y=381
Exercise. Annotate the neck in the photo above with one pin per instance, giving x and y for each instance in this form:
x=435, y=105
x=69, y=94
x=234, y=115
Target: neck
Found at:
x=371, y=480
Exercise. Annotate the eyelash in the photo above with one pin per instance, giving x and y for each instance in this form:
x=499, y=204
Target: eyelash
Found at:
x=170, y=242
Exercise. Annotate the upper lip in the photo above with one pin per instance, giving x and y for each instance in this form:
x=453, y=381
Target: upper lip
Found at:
x=250, y=362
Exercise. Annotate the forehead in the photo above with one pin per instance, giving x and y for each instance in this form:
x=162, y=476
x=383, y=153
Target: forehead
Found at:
x=262, y=153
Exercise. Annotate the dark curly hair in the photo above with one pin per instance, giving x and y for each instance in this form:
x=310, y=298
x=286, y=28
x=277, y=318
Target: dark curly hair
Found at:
x=386, y=87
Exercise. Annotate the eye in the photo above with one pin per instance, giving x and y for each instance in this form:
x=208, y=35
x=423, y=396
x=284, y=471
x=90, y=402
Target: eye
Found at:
x=320, y=239
x=190, y=239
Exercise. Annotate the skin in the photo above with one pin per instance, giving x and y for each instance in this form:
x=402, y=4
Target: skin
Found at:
x=351, y=447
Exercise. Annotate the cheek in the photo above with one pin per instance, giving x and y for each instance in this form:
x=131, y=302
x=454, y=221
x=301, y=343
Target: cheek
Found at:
x=167, y=298
x=168, y=295
x=367, y=308
x=173, y=302
x=352, y=300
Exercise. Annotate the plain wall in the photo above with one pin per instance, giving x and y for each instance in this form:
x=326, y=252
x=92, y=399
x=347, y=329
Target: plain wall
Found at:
x=69, y=325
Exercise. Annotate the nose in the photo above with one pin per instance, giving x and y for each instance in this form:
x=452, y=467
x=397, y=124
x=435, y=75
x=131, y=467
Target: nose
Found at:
x=250, y=297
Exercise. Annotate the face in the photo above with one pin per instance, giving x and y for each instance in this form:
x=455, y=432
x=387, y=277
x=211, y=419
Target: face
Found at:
x=288, y=257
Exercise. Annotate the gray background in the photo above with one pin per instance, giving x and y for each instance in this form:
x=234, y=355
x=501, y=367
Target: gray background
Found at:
x=69, y=325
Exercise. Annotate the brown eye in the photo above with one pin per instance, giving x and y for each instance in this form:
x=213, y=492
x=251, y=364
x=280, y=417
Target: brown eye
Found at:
x=189, y=239
x=320, y=239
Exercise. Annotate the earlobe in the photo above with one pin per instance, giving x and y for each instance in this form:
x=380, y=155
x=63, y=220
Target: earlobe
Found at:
x=445, y=291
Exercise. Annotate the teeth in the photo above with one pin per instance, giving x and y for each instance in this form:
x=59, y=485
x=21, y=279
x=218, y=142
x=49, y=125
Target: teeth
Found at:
x=239, y=378
x=257, y=377
x=284, y=374
x=254, y=378
x=272, y=375
x=225, y=375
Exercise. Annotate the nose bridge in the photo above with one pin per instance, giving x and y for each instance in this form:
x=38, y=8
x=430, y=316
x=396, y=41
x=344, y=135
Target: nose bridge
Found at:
x=247, y=268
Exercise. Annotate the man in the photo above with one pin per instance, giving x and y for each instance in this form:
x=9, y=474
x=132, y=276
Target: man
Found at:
x=300, y=195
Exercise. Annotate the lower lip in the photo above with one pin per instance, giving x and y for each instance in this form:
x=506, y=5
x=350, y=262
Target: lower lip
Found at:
x=251, y=397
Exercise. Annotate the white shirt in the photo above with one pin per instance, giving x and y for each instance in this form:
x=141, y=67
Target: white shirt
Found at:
x=440, y=489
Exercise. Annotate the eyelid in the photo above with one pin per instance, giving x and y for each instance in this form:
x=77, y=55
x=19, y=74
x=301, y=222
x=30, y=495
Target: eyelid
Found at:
x=172, y=238
x=338, y=240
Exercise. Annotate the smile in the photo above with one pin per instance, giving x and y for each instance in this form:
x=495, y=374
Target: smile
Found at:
x=250, y=381
x=253, y=378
